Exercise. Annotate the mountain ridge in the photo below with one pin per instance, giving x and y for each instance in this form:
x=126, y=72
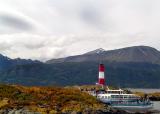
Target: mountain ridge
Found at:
x=128, y=54
x=6, y=62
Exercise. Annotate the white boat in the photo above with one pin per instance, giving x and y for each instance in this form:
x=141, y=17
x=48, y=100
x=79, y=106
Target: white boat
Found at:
x=120, y=100
x=119, y=95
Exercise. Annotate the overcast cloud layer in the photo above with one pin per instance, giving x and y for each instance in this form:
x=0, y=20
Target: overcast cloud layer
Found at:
x=45, y=29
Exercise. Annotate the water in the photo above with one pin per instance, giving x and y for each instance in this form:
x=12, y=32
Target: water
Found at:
x=156, y=103
x=144, y=90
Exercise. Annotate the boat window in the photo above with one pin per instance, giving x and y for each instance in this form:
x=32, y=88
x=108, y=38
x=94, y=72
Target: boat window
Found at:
x=125, y=97
x=115, y=92
x=118, y=96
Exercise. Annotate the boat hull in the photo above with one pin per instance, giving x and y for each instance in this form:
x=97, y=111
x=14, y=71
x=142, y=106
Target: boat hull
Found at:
x=133, y=107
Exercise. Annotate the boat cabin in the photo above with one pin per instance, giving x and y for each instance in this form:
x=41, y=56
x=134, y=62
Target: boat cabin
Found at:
x=116, y=95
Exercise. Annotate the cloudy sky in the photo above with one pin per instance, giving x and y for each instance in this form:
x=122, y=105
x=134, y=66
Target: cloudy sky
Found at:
x=44, y=29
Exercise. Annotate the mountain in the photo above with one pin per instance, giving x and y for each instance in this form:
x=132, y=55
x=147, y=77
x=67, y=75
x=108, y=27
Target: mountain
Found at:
x=6, y=62
x=129, y=54
x=132, y=67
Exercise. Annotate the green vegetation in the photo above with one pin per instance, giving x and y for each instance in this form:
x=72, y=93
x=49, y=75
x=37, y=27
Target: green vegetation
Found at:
x=152, y=96
x=130, y=75
x=47, y=99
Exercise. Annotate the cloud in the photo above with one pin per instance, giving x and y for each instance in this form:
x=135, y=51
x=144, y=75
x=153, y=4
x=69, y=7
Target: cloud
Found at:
x=14, y=22
x=46, y=29
x=35, y=46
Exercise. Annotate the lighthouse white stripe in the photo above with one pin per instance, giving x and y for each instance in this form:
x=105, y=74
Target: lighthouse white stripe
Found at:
x=101, y=75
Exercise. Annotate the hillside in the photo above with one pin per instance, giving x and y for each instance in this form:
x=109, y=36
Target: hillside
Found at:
x=46, y=100
x=129, y=54
x=17, y=99
x=6, y=62
x=138, y=75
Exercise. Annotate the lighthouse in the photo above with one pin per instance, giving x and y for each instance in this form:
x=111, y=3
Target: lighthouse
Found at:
x=101, y=79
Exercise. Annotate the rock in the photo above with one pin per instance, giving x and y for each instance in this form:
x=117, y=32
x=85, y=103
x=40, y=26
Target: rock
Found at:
x=74, y=112
x=17, y=111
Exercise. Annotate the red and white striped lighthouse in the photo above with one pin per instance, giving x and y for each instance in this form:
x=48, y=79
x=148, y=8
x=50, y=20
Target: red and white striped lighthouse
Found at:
x=101, y=79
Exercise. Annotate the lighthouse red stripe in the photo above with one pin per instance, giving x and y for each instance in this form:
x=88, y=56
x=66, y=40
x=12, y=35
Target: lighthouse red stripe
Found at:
x=101, y=68
x=101, y=81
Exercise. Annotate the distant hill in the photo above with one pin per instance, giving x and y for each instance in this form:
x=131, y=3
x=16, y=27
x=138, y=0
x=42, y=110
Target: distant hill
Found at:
x=6, y=62
x=130, y=75
x=129, y=54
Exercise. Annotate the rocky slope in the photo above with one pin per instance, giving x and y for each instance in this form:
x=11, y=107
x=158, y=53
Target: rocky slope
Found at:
x=16, y=99
x=46, y=100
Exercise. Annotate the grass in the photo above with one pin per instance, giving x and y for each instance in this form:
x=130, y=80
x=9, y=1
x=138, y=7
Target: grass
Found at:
x=47, y=99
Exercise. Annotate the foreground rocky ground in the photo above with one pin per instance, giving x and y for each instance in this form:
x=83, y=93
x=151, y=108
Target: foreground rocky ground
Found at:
x=16, y=99
x=27, y=111
x=45, y=100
